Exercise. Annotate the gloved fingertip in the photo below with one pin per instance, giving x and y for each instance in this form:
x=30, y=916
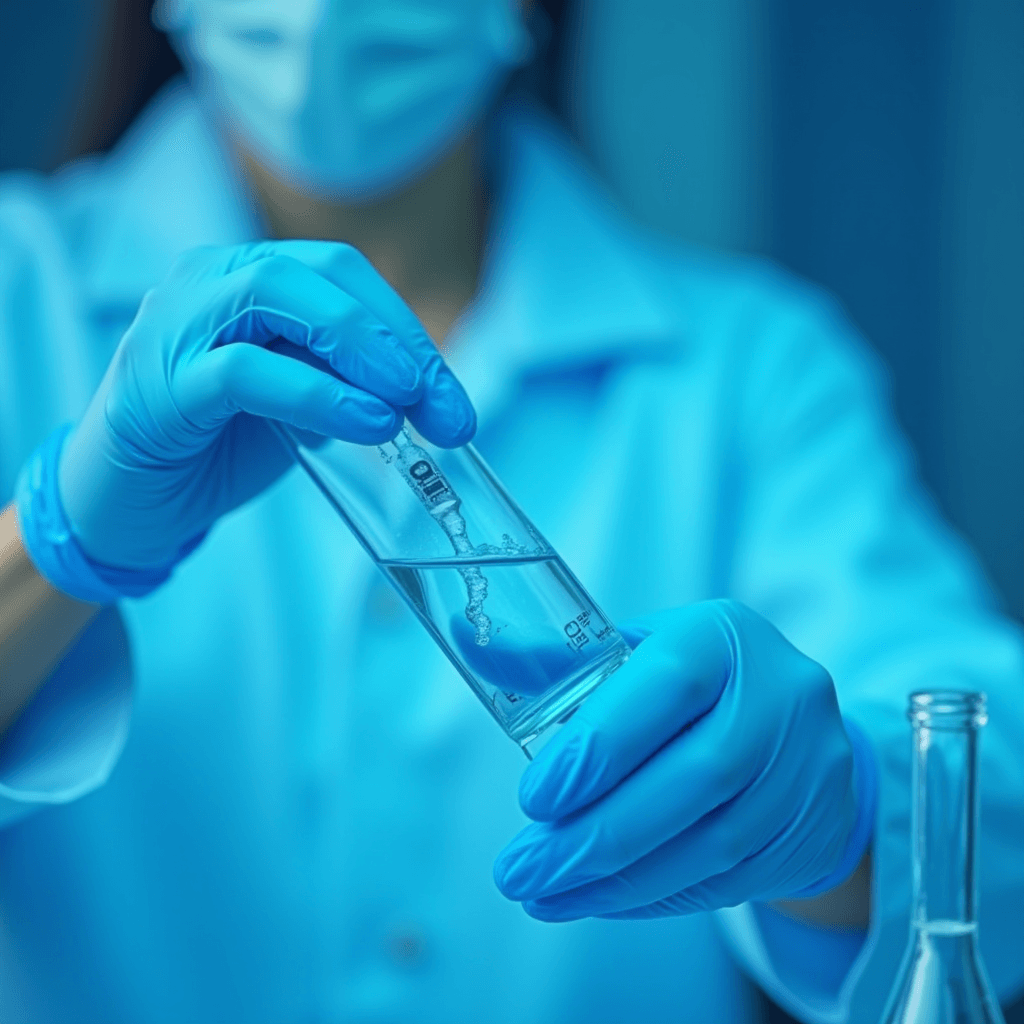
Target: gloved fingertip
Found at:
x=446, y=421
x=383, y=335
x=634, y=632
x=512, y=871
x=455, y=414
x=534, y=798
x=380, y=423
x=498, y=873
x=550, y=786
x=464, y=426
x=402, y=370
x=553, y=911
x=409, y=381
x=454, y=408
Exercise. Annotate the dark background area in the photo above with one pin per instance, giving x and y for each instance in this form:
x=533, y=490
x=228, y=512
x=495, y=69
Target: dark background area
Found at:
x=876, y=148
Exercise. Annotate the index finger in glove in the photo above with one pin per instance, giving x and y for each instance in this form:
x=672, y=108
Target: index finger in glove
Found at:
x=715, y=843
x=443, y=412
x=281, y=297
x=673, y=678
x=728, y=889
x=691, y=776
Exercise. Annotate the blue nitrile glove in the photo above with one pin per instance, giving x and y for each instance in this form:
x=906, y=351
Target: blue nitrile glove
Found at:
x=175, y=436
x=713, y=768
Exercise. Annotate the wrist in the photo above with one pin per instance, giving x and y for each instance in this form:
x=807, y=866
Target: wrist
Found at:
x=52, y=546
x=37, y=623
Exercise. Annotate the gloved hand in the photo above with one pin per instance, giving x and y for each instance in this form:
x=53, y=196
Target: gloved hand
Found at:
x=713, y=768
x=175, y=435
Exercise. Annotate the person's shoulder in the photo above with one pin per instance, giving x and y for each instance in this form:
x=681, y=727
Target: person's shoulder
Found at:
x=751, y=310
x=33, y=249
x=39, y=210
x=761, y=333
x=72, y=208
x=719, y=291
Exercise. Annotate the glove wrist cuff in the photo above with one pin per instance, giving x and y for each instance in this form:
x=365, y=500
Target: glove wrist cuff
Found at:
x=53, y=549
x=865, y=791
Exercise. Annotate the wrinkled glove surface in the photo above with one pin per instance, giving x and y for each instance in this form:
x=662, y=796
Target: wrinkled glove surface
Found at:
x=713, y=768
x=307, y=333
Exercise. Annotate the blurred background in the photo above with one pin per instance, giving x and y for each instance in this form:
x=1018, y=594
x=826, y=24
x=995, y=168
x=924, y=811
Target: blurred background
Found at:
x=876, y=148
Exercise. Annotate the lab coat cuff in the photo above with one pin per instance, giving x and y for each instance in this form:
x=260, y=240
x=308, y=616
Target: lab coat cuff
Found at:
x=811, y=971
x=68, y=738
x=53, y=549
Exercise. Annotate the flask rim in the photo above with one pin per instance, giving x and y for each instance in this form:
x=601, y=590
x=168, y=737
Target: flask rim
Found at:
x=947, y=709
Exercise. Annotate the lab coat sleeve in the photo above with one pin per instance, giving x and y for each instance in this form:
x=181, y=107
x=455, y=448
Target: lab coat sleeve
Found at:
x=66, y=741
x=837, y=544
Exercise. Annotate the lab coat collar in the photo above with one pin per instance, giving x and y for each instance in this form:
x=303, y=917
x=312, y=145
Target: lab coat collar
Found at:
x=563, y=284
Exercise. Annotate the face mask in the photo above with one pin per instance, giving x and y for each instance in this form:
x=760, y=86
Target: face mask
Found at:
x=349, y=98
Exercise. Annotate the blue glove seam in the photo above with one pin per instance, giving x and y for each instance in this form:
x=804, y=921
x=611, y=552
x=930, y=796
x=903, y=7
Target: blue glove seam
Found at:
x=52, y=547
x=865, y=788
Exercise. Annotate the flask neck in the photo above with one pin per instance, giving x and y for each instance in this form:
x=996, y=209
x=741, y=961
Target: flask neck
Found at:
x=944, y=820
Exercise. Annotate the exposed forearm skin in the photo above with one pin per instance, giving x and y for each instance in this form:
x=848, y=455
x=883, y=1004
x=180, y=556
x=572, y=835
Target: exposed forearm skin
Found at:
x=37, y=623
x=846, y=906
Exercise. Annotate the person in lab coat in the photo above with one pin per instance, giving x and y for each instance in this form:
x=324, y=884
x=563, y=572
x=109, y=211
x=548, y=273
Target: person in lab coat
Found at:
x=307, y=800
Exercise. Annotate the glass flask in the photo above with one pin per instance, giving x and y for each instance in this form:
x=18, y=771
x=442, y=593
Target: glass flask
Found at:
x=942, y=979
x=492, y=592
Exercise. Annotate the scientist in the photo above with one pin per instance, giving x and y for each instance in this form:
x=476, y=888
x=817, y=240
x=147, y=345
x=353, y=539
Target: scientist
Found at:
x=307, y=800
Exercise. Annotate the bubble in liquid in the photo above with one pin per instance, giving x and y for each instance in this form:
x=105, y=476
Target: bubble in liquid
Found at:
x=441, y=501
x=476, y=594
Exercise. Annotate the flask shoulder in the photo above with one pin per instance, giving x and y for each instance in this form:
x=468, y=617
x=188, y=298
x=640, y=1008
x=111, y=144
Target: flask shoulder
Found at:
x=942, y=979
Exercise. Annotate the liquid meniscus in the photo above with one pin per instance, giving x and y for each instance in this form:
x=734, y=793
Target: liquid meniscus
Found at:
x=438, y=496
